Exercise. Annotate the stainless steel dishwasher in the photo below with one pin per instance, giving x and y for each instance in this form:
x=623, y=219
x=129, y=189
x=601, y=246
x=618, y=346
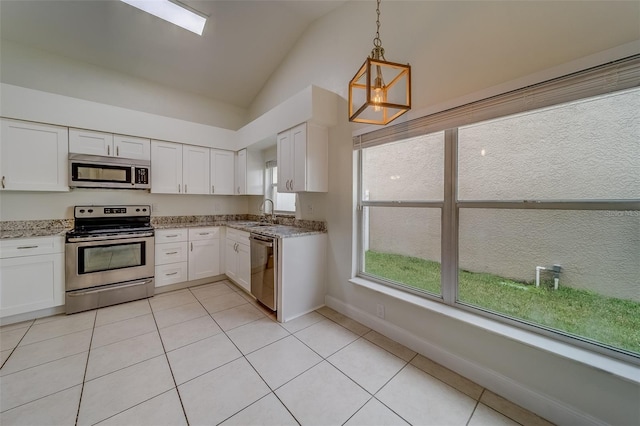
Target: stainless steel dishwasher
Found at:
x=264, y=269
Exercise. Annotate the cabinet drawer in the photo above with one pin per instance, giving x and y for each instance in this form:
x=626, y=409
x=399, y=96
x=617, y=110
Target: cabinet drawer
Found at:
x=238, y=236
x=171, y=253
x=209, y=233
x=171, y=235
x=31, y=246
x=171, y=274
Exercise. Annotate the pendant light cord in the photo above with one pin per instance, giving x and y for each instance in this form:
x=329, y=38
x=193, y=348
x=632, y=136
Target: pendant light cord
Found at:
x=378, y=51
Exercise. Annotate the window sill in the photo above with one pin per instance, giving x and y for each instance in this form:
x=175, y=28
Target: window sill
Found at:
x=619, y=368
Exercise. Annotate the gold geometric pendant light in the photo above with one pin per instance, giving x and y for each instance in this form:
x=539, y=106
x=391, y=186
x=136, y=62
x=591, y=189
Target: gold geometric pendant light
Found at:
x=380, y=91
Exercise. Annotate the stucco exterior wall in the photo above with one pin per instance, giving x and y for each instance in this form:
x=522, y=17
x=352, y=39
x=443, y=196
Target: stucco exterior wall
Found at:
x=587, y=150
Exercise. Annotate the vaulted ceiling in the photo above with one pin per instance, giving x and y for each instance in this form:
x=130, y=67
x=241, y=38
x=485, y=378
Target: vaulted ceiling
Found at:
x=243, y=43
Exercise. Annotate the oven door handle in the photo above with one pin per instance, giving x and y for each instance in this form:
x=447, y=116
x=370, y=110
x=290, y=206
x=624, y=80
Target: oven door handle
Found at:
x=109, y=237
x=109, y=288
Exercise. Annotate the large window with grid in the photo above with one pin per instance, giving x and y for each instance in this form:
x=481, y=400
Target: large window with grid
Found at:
x=524, y=207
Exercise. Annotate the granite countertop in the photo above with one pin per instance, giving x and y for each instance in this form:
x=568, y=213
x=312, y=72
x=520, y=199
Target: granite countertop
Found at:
x=272, y=230
x=34, y=228
x=33, y=233
x=59, y=227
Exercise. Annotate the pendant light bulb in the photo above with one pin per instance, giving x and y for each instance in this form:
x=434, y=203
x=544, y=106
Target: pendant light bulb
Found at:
x=378, y=90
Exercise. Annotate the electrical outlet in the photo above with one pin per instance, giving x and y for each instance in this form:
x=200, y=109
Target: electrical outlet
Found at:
x=380, y=310
x=154, y=207
x=309, y=208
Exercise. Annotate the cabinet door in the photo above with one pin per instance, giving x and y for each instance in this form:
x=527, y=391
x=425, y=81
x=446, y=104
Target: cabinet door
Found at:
x=299, y=157
x=33, y=157
x=166, y=167
x=204, y=259
x=195, y=169
x=130, y=147
x=88, y=142
x=222, y=172
x=30, y=283
x=231, y=259
x=244, y=267
x=285, y=162
x=241, y=172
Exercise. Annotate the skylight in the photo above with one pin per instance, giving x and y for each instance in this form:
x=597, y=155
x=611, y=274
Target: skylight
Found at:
x=172, y=12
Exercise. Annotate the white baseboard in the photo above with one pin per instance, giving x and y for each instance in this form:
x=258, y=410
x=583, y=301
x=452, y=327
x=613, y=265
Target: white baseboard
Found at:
x=536, y=402
x=41, y=313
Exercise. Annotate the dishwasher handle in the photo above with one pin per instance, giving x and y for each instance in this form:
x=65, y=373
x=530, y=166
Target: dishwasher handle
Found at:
x=260, y=241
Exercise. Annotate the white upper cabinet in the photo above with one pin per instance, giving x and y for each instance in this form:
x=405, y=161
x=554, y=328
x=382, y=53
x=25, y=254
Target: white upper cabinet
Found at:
x=88, y=142
x=303, y=159
x=166, y=167
x=131, y=147
x=179, y=169
x=222, y=172
x=249, y=173
x=109, y=145
x=33, y=157
x=195, y=169
x=285, y=162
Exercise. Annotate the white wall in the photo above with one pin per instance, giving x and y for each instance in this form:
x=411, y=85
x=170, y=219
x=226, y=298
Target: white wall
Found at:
x=36, y=69
x=457, y=49
x=59, y=205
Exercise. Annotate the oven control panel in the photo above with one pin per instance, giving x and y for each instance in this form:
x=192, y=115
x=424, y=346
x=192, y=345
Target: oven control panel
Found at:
x=111, y=211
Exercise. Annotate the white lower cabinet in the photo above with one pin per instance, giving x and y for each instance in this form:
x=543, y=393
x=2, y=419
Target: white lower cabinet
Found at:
x=301, y=275
x=186, y=254
x=31, y=274
x=204, y=252
x=238, y=258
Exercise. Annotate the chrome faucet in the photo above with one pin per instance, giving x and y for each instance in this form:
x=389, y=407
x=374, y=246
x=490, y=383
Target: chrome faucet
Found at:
x=263, y=208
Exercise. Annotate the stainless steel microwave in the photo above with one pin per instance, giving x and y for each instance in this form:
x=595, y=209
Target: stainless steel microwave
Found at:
x=95, y=171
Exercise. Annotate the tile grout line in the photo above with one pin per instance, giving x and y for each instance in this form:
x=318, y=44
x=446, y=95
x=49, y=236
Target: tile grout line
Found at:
x=169, y=365
x=86, y=366
x=18, y=344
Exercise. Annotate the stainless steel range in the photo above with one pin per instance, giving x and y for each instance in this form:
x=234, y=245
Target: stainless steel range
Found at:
x=109, y=257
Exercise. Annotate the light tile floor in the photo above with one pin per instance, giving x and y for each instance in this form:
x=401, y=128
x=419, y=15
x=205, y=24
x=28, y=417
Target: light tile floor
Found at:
x=211, y=355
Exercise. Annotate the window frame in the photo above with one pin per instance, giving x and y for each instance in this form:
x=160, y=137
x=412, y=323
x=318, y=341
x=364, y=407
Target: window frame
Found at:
x=557, y=91
x=270, y=188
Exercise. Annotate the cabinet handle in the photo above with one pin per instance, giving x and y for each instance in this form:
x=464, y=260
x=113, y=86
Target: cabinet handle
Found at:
x=172, y=252
x=2, y=182
x=238, y=190
x=117, y=151
x=178, y=188
x=108, y=150
x=173, y=273
x=185, y=188
x=172, y=236
x=213, y=189
x=191, y=246
x=203, y=233
x=26, y=247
